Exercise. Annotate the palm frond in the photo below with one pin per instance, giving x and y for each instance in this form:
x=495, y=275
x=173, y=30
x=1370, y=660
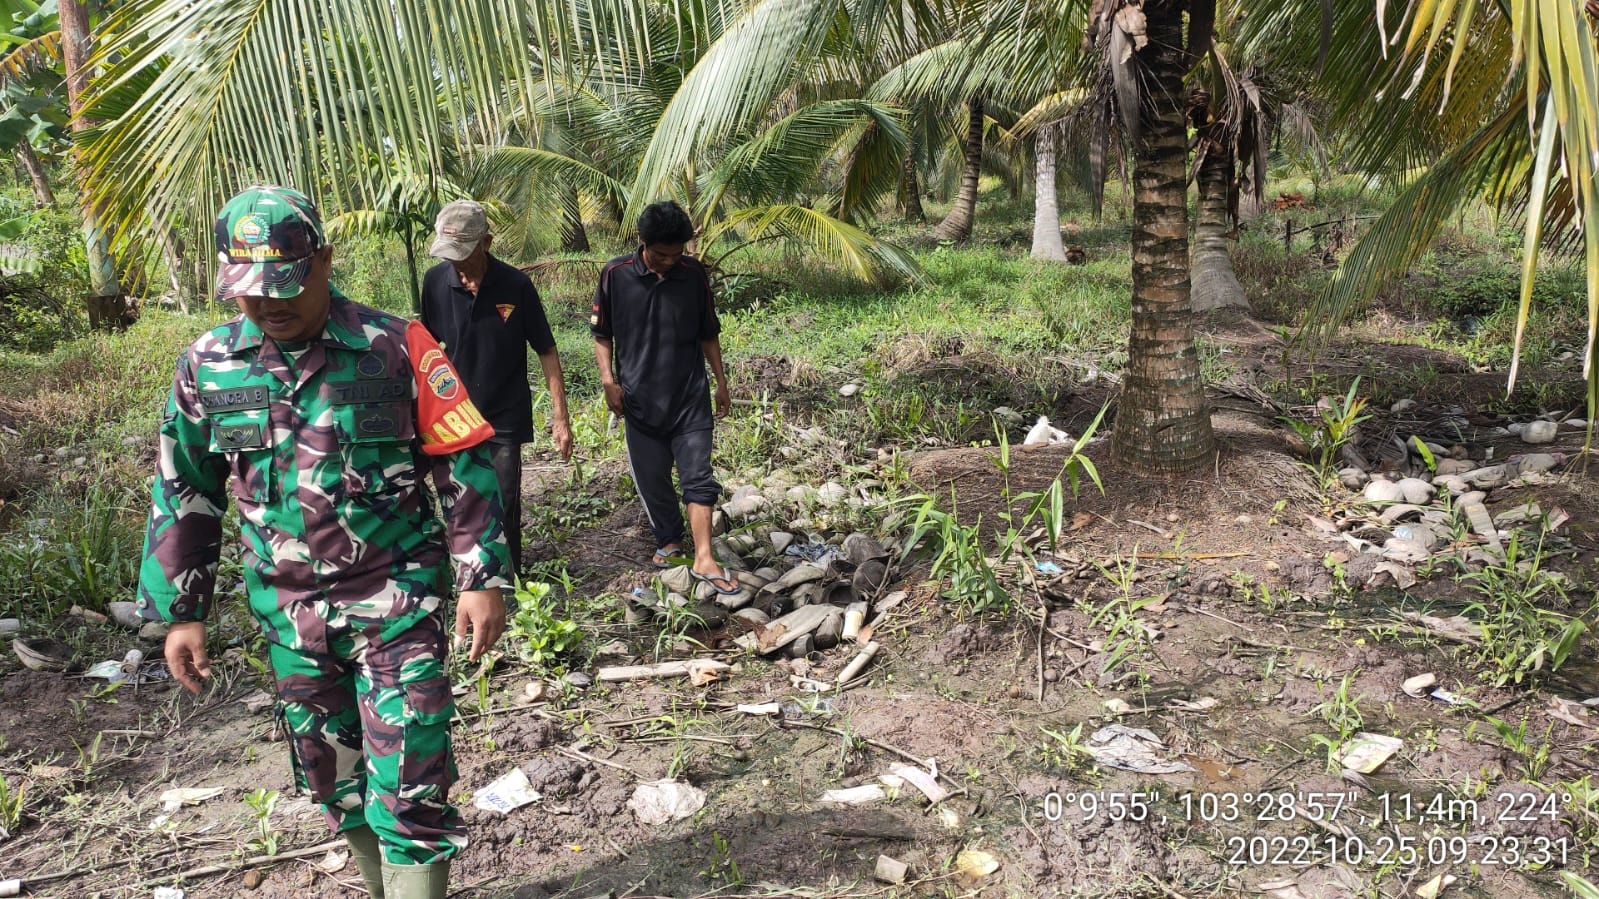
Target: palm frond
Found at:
x=731, y=86
x=511, y=163
x=34, y=55
x=827, y=239
x=1418, y=213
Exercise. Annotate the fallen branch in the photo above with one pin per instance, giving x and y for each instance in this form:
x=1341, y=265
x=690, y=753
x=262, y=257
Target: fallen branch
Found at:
x=251, y=862
x=700, y=671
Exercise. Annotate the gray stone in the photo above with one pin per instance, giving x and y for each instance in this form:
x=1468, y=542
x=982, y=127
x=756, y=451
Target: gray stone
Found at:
x=1488, y=477
x=678, y=579
x=1420, y=534
x=802, y=646
x=1539, y=432
x=752, y=617
x=1536, y=462
x=1400, y=512
x=768, y=574
x=1454, y=466
x=1518, y=515
x=718, y=523
x=1455, y=484
x=1401, y=550
x=801, y=494
x=125, y=614
x=1403, y=406
x=154, y=630
x=1383, y=491
x=780, y=541
x=10, y=626
x=828, y=632
x=1577, y=424
x=1469, y=497
x=849, y=390
x=831, y=493
x=1353, y=478
x=580, y=679
x=1416, y=490
x=1517, y=428
x=1483, y=525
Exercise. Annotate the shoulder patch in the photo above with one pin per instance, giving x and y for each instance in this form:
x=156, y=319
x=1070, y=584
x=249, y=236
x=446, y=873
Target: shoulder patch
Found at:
x=447, y=420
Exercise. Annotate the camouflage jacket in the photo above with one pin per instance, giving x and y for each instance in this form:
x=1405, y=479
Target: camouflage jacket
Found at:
x=324, y=460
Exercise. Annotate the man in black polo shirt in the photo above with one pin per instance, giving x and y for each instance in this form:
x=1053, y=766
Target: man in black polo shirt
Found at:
x=655, y=327
x=486, y=314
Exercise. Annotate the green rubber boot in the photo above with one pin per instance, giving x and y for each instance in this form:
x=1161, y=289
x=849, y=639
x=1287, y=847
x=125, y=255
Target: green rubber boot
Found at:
x=416, y=881
x=368, y=857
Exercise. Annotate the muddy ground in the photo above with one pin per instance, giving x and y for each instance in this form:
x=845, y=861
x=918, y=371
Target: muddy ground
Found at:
x=1260, y=630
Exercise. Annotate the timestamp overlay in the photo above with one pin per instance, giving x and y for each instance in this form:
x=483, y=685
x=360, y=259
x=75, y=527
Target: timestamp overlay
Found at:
x=1297, y=828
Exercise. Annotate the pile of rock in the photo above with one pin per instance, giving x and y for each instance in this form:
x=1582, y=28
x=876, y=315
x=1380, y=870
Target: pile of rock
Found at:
x=1398, y=522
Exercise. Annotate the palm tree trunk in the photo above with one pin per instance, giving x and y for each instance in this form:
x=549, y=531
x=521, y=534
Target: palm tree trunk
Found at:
x=42, y=195
x=911, y=190
x=1215, y=284
x=958, y=224
x=1046, y=207
x=1162, y=423
x=106, y=306
x=574, y=237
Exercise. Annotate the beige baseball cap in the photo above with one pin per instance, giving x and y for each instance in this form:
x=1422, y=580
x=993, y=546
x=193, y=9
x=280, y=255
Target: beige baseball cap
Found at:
x=460, y=227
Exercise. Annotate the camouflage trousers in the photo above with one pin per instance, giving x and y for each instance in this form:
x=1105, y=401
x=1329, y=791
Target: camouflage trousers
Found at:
x=369, y=735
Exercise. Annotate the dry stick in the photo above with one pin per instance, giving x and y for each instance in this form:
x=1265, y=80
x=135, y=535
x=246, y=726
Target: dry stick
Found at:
x=670, y=738
x=1043, y=624
x=577, y=754
x=960, y=790
x=1188, y=555
x=252, y=862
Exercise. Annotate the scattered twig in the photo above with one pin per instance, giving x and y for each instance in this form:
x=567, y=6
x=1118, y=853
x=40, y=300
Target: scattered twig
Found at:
x=577, y=754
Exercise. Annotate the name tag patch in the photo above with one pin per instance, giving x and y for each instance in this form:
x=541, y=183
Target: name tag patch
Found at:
x=238, y=437
x=343, y=393
x=235, y=399
x=376, y=423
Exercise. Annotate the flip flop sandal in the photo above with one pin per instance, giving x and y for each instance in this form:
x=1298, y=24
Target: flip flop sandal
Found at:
x=666, y=558
x=713, y=578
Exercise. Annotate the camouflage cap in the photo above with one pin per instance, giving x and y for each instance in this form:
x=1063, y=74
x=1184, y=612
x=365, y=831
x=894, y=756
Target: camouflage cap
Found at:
x=460, y=227
x=265, y=239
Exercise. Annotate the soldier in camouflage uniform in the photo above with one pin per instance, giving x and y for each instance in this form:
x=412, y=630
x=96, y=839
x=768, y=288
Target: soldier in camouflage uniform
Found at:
x=321, y=417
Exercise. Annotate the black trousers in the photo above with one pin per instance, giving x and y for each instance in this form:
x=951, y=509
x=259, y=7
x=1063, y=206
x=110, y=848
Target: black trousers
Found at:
x=507, y=454
x=651, y=457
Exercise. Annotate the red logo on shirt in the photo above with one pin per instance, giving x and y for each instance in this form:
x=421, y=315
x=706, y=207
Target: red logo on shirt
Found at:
x=505, y=311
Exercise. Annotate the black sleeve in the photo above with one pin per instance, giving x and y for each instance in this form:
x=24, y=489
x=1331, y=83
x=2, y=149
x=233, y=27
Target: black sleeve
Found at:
x=600, y=319
x=710, y=324
x=535, y=325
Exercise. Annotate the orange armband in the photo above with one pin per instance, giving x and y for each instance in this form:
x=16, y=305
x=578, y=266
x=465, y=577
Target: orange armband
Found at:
x=446, y=418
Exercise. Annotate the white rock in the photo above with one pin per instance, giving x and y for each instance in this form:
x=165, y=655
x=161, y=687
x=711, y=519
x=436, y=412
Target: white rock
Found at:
x=1419, y=685
x=1416, y=490
x=1403, y=406
x=801, y=494
x=1469, y=497
x=1517, y=428
x=1040, y=433
x=1518, y=515
x=849, y=390
x=1539, y=432
x=1455, y=484
x=1383, y=491
x=9, y=626
x=1577, y=424
x=1419, y=533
